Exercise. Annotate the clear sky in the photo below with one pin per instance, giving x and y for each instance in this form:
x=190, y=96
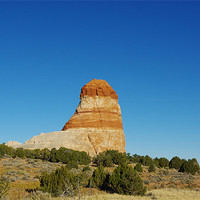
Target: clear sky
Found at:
x=148, y=51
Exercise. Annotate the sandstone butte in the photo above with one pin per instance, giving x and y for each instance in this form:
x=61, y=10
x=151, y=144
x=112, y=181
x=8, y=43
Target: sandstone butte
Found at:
x=96, y=125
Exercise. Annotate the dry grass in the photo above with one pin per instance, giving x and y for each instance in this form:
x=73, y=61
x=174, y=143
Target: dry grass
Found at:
x=161, y=194
x=18, y=189
x=22, y=174
x=177, y=194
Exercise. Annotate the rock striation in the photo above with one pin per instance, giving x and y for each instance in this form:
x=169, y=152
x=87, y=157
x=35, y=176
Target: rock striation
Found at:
x=95, y=126
x=98, y=108
x=14, y=144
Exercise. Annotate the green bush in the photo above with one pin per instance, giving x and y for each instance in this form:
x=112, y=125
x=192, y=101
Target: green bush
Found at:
x=125, y=180
x=175, y=162
x=6, y=150
x=99, y=179
x=138, y=167
x=53, y=155
x=109, y=158
x=103, y=159
x=58, y=182
x=63, y=154
x=163, y=162
x=190, y=166
x=83, y=158
x=145, y=160
x=86, y=169
x=72, y=164
x=134, y=158
x=117, y=157
x=152, y=168
x=156, y=162
x=45, y=154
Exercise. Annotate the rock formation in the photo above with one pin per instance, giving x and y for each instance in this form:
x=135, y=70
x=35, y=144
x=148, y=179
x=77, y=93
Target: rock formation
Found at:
x=14, y=144
x=98, y=108
x=95, y=126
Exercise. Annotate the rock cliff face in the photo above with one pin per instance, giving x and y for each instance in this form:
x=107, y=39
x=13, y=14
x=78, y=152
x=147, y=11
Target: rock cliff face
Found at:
x=98, y=108
x=14, y=144
x=95, y=126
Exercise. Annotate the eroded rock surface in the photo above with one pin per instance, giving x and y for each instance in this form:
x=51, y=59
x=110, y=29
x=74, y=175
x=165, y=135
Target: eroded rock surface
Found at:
x=14, y=144
x=98, y=108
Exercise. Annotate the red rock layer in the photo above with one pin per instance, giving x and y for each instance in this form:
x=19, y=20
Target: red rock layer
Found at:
x=95, y=120
x=98, y=108
x=98, y=88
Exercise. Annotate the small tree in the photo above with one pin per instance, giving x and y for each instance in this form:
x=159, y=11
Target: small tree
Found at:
x=45, y=154
x=72, y=164
x=109, y=158
x=83, y=158
x=62, y=180
x=145, y=160
x=117, y=157
x=163, y=162
x=152, y=168
x=156, y=162
x=19, y=153
x=103, y=159
x=125, y=180
x=190, y=166
x=175, y=162
x=138, y=167
x=100, y=178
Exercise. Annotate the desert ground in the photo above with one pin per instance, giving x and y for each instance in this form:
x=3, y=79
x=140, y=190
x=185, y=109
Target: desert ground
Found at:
x=163, y=184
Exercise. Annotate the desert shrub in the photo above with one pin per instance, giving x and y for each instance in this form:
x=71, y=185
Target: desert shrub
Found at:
x=36, y=154
x=83, y=158
x=100, y=178
x=145, y=160
x=45, y=154
x=72, y=164
x=117, y=157
x=109, y=158
x=152, y=168
x=29, y=153
x=156, y=162
x=53, y=155
x=4, y=149
x=184, y=167
x=57, y=182
x=63, y=154
x=190, y=166
x=163, y=162
x=138, y=167
x=4, y=186
x=19, y=153
x=129, y=158
x=86, y=169
x=134, y=158
x=125, y=180
x=39, y=195
x=175, y=162
x=63, y=182
x=103, y=159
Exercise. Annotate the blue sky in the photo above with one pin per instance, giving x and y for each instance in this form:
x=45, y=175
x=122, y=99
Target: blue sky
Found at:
x=148, y=51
